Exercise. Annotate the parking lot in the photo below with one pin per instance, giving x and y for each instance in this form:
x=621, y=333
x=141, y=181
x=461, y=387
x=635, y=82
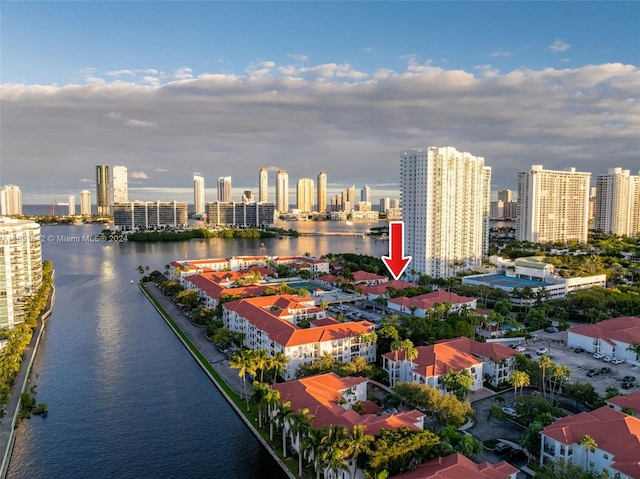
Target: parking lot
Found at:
x=581, y=363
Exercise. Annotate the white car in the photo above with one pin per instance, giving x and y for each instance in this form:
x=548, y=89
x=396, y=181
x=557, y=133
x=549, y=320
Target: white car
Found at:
x=598, y=355
x=542, y=351
x=607, y=359
x=617, y=361
x=509, y=411
x=521, y=349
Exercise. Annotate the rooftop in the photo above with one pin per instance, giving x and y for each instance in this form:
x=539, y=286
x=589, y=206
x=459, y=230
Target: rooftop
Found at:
x=625, y=329
x=504, y=281
x=457, y=466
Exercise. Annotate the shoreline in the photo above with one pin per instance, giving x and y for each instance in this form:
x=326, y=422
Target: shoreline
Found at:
x=8, y=430
x=213, y=367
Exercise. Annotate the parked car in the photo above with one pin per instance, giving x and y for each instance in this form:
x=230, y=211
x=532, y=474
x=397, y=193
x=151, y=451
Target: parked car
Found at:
x=542, y=351
x=578, y=350
x=627, y=385
x=518, y=458
x=598, y=355
x=605, y=370
x=551, y=329
x=502, y=447
x=509, y=411
x=607, y=359
x=593, y=372
x=629, y=379
x=521, y=349
x=617, y=361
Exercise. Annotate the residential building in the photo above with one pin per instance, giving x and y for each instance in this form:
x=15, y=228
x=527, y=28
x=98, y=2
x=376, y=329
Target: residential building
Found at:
x=505, y=195
x=150, y=215
x=365, y=194
x=613, y=337
x=245, y=215
x=491, y=360
x=120, y=184
x=20, y=268
x=10, y=200
x=322, y=192
x=304, y=195
x=626, y=402
x=198, y=195
x=445, y=205
x=617, y=438
x=247, y=197
x=224, y=189
x=457, y=466
x=617, y=208
x=385, y=204
x=271, y=323
x=263, y=186
x=553, y=206
x=345, y=200
x=282, y=192
x=103, y=190
x=85, y=202
x=71, y=201
x=314, y=265
x=422, y=304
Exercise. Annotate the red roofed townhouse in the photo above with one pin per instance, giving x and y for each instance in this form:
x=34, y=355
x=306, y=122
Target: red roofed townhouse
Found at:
x=626, y=401
x=179, y=269
x=270, y=323
x=611, y=337
x=315, y=265
x=616, y=434
x=213, y=285
x=420, y=305
x=331, y=399
x=381, y=290
x=457, y=466
x=492, y=360
x=369, y=278
x=329, y=280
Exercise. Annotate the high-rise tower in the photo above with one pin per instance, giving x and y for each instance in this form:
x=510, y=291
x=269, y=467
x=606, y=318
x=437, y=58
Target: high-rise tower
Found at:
x=103, y=190
x=198, y=194
x=10, y=200
x=445, y=205
x=282, y=191
x=120, y=185
x=553, y=206
x=263, y=186
x=85, y=202
x=365, y=194
x=322, y=192
x=618, y=203
x=224, y=189
x=304, y=195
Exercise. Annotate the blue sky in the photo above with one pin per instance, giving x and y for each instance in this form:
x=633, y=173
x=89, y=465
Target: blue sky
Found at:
x=175, y=88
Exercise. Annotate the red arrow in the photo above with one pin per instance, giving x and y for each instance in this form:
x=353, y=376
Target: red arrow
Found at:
x=396, y=262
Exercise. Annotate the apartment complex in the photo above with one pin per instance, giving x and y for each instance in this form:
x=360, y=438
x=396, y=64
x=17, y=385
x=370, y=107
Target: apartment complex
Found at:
x=103, y=190
x=263, y=185
x=282, y=191
x=198, y=194
x=150, y=215
x=224, y=189
x=20, y=268
x=617, y=209
x=553, y=206
x=445, y=196
x=245, y=215
x=304, y=195
x=120, y=184
x=322, y=192
x=10, y=200
x=85, y=202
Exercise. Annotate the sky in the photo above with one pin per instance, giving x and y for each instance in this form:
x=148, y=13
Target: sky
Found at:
x=172, y=89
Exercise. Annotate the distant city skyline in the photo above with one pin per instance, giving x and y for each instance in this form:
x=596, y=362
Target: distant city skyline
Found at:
x=540, y=85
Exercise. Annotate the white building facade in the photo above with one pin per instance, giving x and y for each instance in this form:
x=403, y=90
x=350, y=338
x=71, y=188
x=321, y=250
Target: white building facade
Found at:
x=198, y=194
x=85, y=202
x=445, y=198
x=10, y=200
x=282, y=191
x=617, y=208
x=120, y=184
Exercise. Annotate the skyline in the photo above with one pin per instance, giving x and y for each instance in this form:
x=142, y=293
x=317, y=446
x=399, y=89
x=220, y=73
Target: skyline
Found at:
x=179, y=94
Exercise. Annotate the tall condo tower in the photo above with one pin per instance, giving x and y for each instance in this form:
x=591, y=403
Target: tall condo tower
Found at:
x=263, y=186
x=10, y=200
x=365, y=194
x=304, y=195
x=85, y=202
x=71, y=201
x=198, y=194
x=322, y=192
x=553, y=206
x=618, y=203
x=120, y=185
x=103, y=190
x=282, y=192
x=445, y=205
x=224, y=189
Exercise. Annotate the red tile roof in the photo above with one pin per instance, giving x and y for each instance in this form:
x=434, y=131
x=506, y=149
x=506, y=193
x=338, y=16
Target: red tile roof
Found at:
x=360, y=276
x=319, y=394
x=380, y=289
x=627, y=401
x=457, y=466
x=613, y=431
x=429, y=300
x=625, y=329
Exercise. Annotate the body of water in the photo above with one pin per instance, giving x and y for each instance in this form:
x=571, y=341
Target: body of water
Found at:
x=125, y=399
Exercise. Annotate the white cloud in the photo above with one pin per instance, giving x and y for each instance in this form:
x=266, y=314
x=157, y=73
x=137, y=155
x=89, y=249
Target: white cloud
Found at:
x=86, y=180
x=300, y=58
x=141, y=123
x=500, y=53
x=559, y=46
x=138, y=175
x=162, y=170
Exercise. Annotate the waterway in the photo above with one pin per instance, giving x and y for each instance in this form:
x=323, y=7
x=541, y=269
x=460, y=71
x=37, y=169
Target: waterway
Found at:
x=125, y=398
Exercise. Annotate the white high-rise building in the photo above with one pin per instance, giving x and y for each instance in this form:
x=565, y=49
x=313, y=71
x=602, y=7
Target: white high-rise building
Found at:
x=103, y=190
x=120, y=184
x=322, y=192
x=365, y=194
x=617, y=209
x=198, y=194
x=10, y=200
x=304, y=195
x=444, y=196
x=553, y=206
x=224, y=189
x=263, y=185
x=20, y=268
x=385, y=204
x=71, y=201
x=282, y=192
x=85, y=202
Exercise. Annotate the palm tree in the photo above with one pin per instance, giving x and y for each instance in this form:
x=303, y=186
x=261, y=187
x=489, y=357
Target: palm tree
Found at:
x=300, y=426
x=258, y=397
x=332, y=454
x=519, y=379
x=260, y=361
x=311, y=446
x=242, y=361
x=272, y=401
x=357, y=442
x=544, y=364
x=589, y=445
x=284, y=417
x=278, y=363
